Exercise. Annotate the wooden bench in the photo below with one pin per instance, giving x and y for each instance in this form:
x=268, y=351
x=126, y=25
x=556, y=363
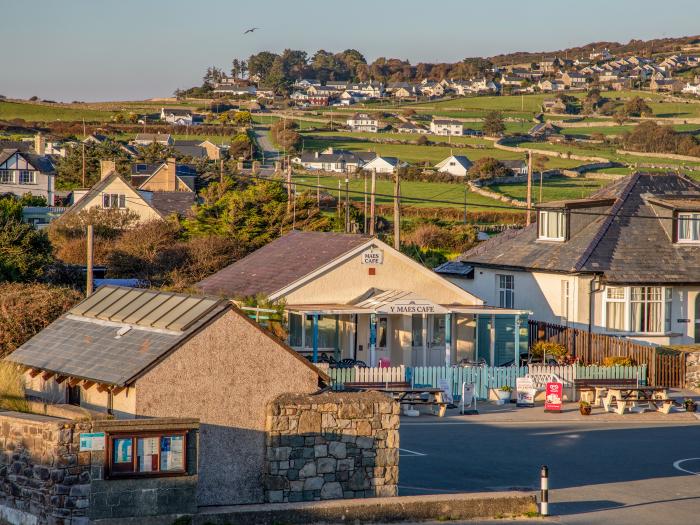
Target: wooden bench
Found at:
x=590, y=385
x=375, y=385
x=621, y=404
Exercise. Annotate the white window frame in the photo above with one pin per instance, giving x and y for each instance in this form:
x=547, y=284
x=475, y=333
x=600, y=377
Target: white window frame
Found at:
x=26, y=174
x=7, y=176
x=561, y=224
x=504, y=291
x=666, y=309
x=111, y=198
x=565, y=299
x=693, y=216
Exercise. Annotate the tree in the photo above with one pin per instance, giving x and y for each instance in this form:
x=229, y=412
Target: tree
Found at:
x=493, y=123
x=213, y=76
x=24, y=251
x=289, y=139
x=242, y=118
x=26, y=309
x=261, y=64
x=636, y=107
x=70, y=167
x=487, y=168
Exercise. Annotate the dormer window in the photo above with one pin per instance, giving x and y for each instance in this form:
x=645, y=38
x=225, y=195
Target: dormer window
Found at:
x=688, y=227
x=552, y=225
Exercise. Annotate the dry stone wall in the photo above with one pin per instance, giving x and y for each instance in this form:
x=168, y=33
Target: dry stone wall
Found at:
x=331, y=446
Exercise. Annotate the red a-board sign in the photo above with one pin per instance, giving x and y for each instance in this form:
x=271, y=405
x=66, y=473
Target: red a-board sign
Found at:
x=553, y=395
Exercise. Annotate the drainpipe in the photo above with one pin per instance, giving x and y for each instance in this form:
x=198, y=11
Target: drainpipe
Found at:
x=594, y=286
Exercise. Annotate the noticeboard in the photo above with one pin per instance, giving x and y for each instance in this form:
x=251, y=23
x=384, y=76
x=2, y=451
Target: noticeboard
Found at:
x=92, y=441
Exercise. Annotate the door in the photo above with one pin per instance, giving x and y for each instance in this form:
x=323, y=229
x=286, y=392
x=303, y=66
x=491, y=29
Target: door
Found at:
x=436, y=340
x=697, y=318
x=417, y=340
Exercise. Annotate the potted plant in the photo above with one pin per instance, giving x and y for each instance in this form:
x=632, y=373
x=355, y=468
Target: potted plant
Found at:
x=504, y=394
x=585, y=408
x=690, y=405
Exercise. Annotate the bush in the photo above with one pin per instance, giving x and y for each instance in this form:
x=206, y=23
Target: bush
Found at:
x=25, y=309
x=12, y=388
x=618, y=361
x=548, y=348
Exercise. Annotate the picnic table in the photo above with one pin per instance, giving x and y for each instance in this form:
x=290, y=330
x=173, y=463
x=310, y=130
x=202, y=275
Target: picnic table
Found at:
x=416, y=396
x=623, y=396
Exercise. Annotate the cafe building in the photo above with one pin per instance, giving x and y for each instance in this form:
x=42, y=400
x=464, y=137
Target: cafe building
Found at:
x=351, y=296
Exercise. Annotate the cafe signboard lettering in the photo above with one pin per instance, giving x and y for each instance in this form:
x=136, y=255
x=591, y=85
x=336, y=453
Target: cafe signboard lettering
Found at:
x=412, y=307
x=373, y=256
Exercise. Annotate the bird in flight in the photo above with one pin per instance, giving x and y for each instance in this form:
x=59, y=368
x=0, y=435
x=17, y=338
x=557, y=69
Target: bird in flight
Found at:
x=250, y=30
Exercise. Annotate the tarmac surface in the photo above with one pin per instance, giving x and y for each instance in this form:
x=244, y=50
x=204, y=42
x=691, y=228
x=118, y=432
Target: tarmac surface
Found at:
x=605, y=468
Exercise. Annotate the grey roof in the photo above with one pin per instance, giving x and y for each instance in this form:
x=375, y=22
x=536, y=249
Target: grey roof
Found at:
x=40, y=163
x=117, y=333
x=514, y=164
x=143, y=169
x=280, y=263
x=197, y=152
x=173, y=202
x=349, y=157
x=625, y=241
x=153, y=137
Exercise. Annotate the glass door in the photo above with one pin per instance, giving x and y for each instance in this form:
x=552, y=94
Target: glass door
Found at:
x=436, y=340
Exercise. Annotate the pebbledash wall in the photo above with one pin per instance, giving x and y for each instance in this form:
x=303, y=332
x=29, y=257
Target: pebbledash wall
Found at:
x=331, y=446
x=46, y=480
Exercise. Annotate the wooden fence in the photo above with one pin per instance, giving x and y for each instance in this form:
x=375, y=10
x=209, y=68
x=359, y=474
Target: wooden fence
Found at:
x=591, y=349
x=483, y=378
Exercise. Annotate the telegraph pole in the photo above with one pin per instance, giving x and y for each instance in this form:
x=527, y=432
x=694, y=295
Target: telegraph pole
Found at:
x=364, y=230
x=529, y=186
x=371, y=203
x=89, y=283
x=397, y=208
x=347, y=205
x=289, y=188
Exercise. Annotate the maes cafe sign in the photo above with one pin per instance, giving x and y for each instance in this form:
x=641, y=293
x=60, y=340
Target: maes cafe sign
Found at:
x=373, y=256
x=412, y=307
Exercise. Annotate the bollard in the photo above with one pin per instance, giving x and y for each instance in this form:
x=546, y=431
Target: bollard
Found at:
x=544, y=491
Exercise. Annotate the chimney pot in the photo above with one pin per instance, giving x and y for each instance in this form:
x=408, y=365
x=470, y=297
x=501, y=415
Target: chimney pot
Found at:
x=39, y=144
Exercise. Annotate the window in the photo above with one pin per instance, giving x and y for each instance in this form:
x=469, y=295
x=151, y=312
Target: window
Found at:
x=564, y=301
x=7, y=177
x=615, y=304
x=146, y=455
x=506, y=290
x=27, y=177
x=417, y=330
x=689, y=227
x=552, y=225
x=113, y=200
x=639, y=309
x=381, y=332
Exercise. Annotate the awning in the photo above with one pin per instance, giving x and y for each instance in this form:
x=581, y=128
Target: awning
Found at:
x=398, y=302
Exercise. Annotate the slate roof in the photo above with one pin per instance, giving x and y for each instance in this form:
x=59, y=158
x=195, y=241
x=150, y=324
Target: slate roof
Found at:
x=194, y=151
x=280, y=263
x=627, y=244
x=177, y=202
x=117, y=333
x=41, y=163
x=460, y=159
x=349, y=157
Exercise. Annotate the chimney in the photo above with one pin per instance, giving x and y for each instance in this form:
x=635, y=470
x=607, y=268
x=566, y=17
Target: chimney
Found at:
x=106, y=168
x=39, y=144
x=315, y=154
x=171, y=174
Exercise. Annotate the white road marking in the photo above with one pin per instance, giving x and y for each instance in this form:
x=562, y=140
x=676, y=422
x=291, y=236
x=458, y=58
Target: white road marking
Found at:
x=410, y=452
x=677, y=466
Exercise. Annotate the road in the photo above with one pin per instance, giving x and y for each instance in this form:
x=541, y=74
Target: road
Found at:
x=620, y=473
x=262, y=137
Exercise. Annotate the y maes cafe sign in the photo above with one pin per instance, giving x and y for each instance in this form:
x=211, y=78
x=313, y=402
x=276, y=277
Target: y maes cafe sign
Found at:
x=412, y=306
x=373, y=256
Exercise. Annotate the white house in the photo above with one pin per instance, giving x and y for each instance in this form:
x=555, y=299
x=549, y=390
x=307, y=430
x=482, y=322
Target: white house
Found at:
x=454, y=165
x=177, y=116
x=691, y=89
x=363, y=122
x=22, y=172
x=583, y=265
x=446, y=127
x=384, y=164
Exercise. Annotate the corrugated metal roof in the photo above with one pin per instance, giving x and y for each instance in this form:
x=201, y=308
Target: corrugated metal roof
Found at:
x=145, y=308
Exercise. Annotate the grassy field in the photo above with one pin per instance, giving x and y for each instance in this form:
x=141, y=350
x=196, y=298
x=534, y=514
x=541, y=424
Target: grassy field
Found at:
x=47, y=112
x=453, y=193
x=555, y=188
x=415, y=154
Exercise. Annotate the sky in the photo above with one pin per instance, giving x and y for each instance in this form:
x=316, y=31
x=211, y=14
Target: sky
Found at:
x=94, y=50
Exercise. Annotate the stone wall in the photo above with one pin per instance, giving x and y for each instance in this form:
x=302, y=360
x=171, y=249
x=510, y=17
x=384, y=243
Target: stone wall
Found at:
x=46, y=479
x=331, y=446
x=692, y=370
